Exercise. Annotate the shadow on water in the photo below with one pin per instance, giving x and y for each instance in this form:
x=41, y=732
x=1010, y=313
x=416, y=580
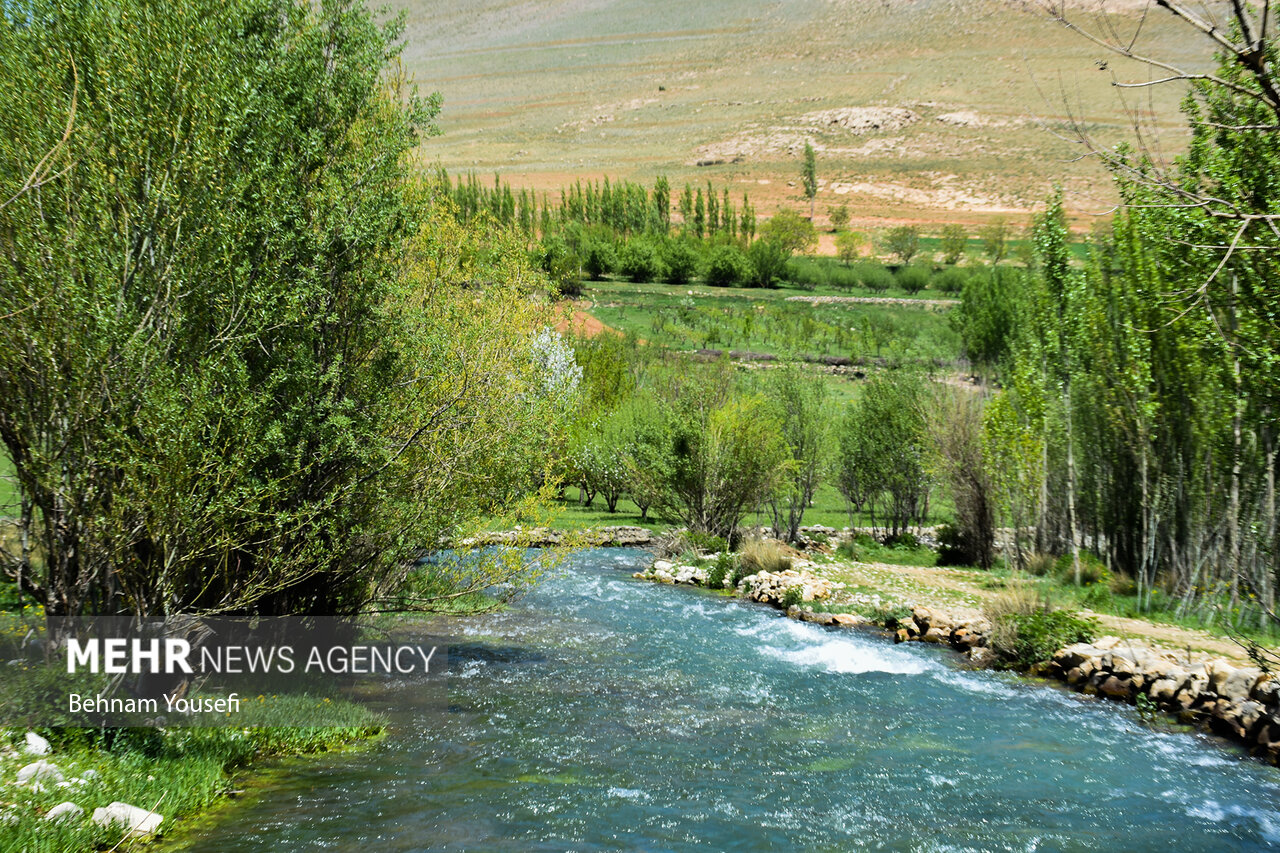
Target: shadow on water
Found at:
x=604, y=713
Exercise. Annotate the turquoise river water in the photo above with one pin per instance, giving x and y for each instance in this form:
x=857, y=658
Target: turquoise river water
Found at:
x=605, y=713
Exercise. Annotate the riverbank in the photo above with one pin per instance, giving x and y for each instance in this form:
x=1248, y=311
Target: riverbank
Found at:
x=1198, y=679
x=71, y=789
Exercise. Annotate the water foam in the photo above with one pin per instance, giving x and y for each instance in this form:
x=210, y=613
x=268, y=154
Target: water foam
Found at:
x=807, y=646
x=1268, y=821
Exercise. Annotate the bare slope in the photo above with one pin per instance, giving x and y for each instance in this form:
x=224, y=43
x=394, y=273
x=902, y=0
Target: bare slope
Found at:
x=921, y=109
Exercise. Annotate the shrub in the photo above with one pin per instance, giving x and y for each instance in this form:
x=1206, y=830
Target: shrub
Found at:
x=724, y=567
x=560, y=264
x=726, y=267
x=763, y=555
x=951, y=280
x=793, y=597
x=903, y=242
x=705, y=542
x=808, y=274
x=844, y=278
x=598, y=259
x=905, y=540
x=875, y=277
x=1092, y=570
x=1032, y=638
x=953, y=547
x=913, y=279
x=1040, y=564
x=673, y=543
x=768, y=261
x=849, y=245
x=1122, y=584
x=848, y=549
x=681, y=260
x=639, y=261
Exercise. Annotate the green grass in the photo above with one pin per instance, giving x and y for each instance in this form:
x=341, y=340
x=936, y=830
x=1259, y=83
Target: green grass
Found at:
x=572, y=515
x=828, y=510
x=694, y=317
x=1210, y=616
x=176, y=772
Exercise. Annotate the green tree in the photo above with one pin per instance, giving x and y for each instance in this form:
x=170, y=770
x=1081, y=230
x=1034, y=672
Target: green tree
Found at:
x=639, y=260
x=954, y=240
x=849, y=245
x=801, y=405
x=809, y=176
x=995, y=239
x=726, y=266
x=680, y=259
x=882, y=461
x=717, y=456
x=986, y=314
x=903, y=242
x=839, y=216
x=228, y=360
x=790, y=231
x=768, y=262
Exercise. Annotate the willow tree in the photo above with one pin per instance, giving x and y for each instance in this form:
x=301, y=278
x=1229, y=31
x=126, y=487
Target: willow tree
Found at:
x=227, y=334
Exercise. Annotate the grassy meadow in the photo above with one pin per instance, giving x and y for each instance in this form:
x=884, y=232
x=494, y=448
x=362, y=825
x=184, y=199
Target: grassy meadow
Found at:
x=912, y=330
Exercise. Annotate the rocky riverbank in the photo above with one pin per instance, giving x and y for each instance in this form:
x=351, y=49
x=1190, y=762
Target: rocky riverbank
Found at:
x=1241, y=704
x=622, y=536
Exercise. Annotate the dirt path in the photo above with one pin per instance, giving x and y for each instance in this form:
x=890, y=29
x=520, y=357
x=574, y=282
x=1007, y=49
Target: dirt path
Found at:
x=583, y=325
x=963, y=592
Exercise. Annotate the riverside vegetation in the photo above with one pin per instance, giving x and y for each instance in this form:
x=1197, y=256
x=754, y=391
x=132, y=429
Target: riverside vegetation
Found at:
x=253, y=362
x=250, y=363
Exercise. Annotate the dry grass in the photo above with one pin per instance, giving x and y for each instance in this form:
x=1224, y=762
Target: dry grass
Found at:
x=546, y=91
x=1004, y=609
x=763, y=555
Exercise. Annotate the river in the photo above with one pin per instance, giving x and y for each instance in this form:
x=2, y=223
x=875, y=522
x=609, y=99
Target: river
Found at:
x=605, y=713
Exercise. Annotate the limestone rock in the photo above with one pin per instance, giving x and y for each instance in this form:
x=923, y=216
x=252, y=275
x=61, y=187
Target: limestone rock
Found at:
x=981, y=656
x=36, y=745
x=1115, y=688
x=135, y=821
x=934, y=635
x=40, y=771
x=847, y=620
x=64, y=811
x=1266, y=689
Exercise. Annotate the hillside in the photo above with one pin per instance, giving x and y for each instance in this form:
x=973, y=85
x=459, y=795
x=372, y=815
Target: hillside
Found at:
x=928, y=110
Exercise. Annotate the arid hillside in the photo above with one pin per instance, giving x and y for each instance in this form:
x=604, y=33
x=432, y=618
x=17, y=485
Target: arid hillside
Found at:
x=919, y=109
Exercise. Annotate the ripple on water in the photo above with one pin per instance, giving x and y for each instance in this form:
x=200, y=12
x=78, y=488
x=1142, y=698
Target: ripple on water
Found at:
x=601, y=713
x=806, y=645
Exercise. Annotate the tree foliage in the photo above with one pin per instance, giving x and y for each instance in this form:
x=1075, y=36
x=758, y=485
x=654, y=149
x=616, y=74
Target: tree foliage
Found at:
x=903, y=242
x=243, y=367
x=883, y=459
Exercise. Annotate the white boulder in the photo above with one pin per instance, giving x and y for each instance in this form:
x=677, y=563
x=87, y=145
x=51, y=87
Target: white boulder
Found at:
x=64, y=811
x=136, y=821
x=40, y=771
x=36, y=745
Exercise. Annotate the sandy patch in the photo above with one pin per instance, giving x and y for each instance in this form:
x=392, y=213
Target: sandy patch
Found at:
x=583, y=325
